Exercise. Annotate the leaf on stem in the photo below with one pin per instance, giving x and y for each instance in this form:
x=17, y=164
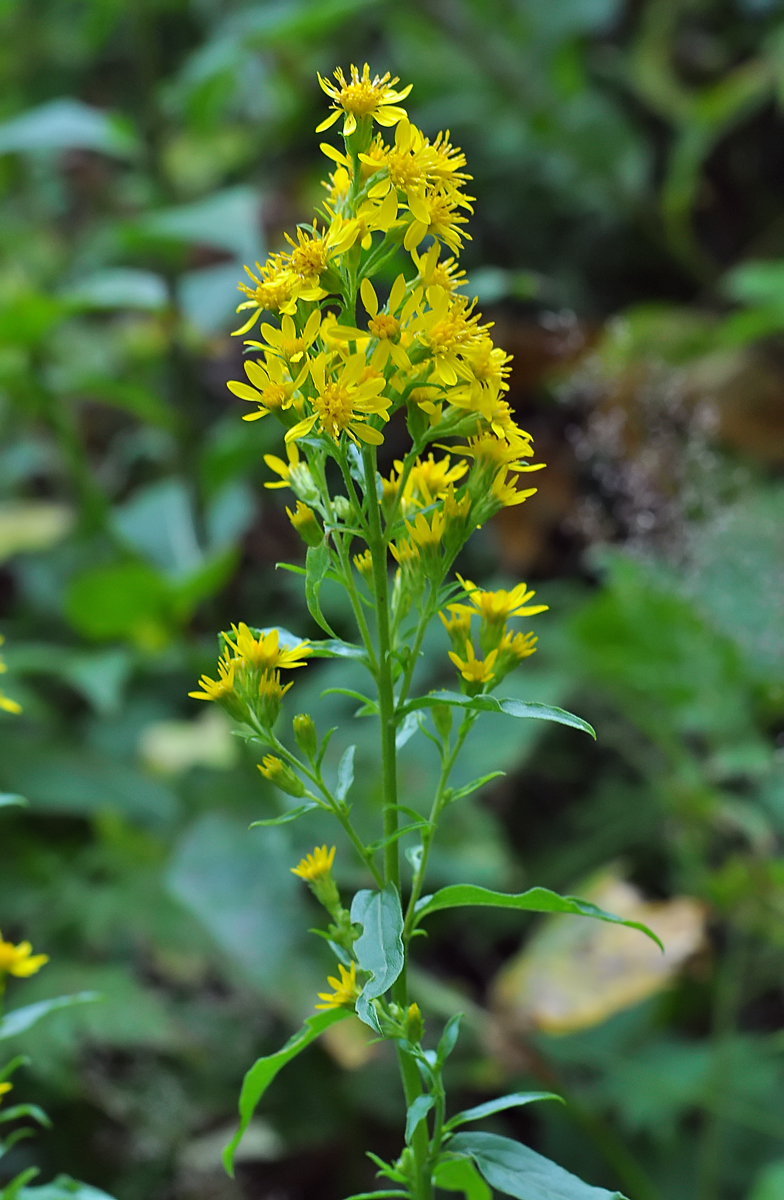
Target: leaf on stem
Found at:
x=393, y=837
x=345, y=774
x=514, y=1100
x=512, y=708
x=537, y=899
x=407, y=730
x=379, y=949
x=454, y=1174
x=26, y=1110
x=417, y=1112
x=21, y=1019
x=449, y=1037
x=317, y=565
x=7, y=799
x=369, y=707
x=292, y=814
x=518, y=1171
x=264, y=1070
x=474, y=785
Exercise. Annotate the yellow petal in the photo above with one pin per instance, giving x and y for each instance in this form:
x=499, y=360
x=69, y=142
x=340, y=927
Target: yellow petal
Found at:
x=331, y=119
x=244, y=391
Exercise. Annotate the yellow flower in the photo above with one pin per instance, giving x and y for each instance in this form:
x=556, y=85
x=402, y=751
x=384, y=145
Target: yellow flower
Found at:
x=364, y=564
x=19, y=960
x=273, y=388
x=475, y=671
x=361, y=97
x=446, y=274
x=346, y=992
x=5, y=1087
x=429, y=479
x=513, y=649
x=437, y=214
x=264, y=651
x=294, y=474
x=344, y=402
x=446, y=332
x=424, y=537
x=6, y=704
x=217, y=689
x=500, y=605
x=285, y=342
x=306, y=524
x=281, y=775
x=314, y=866
x=457, y=624
x=273, y=290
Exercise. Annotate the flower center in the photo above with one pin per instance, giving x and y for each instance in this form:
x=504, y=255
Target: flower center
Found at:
x=275, y=396
x=335, y=408
x=384, y=326
x=359, y=98
x=309, y=258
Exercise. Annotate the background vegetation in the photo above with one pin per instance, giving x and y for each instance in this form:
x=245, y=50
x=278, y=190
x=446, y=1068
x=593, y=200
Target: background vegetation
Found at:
x=629, y=242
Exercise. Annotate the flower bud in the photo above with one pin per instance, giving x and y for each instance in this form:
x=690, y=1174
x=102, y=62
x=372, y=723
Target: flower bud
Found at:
x=415, y=1026
x=306, y=524
x=442, y=719
x=305, y=734
x=266, y=703
x=341, y=506
x=282, y=776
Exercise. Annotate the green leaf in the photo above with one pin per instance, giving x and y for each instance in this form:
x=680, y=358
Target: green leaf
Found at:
x=379, y=949
x=293, y=814
x=119, y=600
x=26, y=1110
x=460, y=1175
x=475, y=784
x=448, y=1039
x=19, y=1020
x=264, y=1070
x=64, y=1188
x=512, y=708
x=417, y=1112
x=518, y=1171
x=337, y=648
x=345, y=774
x=316, y=568
x=393, y=837
x=13, y=1189
x=66, y=124
x=537, y=899
x=514, y=1100
x=9, y=799
x=377, y=1195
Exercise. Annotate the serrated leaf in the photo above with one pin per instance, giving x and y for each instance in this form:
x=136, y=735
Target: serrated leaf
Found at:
x=264, y=1070
x=511, y=708
x=417, y=1112
x=514, y=1100
x=293, y=814
x=316, y=567
x=21, y=1019
x=379, y=949
x=518, y=1171
x=345, y=774
x=537, y=899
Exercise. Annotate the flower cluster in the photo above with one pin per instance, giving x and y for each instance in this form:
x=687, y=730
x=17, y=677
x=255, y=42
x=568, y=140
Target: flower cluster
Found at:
x=502, y=649
x=248, y=684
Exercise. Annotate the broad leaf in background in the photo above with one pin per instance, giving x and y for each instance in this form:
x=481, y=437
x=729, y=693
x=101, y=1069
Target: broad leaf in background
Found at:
x=518, y=1171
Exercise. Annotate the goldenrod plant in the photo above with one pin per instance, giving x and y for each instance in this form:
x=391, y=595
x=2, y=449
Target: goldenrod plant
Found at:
x=335, y=359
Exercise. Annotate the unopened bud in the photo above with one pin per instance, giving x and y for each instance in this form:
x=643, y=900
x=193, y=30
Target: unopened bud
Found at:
x=306, y=524
x=341, y=506
x=282, y=776
x=305, y=733
x=415, y=1026
x=442, y=719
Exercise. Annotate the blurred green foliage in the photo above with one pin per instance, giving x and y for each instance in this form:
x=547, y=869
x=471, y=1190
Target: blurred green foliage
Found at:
x=629, y=163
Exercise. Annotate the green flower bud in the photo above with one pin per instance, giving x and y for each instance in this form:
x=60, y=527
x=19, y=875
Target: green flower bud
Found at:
x=305, y=734
x=442, y=719
x=282, y=776
x=306, y=524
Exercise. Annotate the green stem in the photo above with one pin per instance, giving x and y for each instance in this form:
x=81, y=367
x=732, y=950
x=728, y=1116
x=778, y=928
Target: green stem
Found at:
x=386, y=697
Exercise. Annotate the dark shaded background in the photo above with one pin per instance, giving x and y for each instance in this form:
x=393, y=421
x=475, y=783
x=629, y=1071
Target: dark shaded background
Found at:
x=629, y=243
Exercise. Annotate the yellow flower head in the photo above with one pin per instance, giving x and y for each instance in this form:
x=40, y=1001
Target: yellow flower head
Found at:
x=457, y=625
x=272, y=387
x=222, y=687
x=475, y=671
x=514, y=647
x=364, y=564
x=264, y=651
x=5, y=1087
x=314, y=866
x=346, y=991
x=360, y=96
x=499, y=606
x=19, y=960
x=285, y=342
x=270, y=695
x=437, y=214
x=344, y=401
x=447, y=332
x=294, y=474
x=432, y=272
x=272, y=290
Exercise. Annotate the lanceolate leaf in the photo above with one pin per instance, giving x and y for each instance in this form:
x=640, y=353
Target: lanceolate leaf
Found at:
x=291, y=815
x=512, y=708
x=264, y=1070
x=316, y=567
x=379, y=949
x=22, y=1019
x=537, y=899
x=345, y=774
x=416, y=1113
x=515, y=1100
x=518, y=1171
